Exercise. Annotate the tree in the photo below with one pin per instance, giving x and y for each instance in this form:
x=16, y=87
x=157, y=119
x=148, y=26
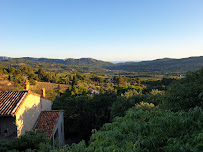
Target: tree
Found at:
x=186, y=93
x=58, y=90
x=125, y=102
x=118, y=79
x=41, y=74
x=76, y=90
x=11, y=70
x=145, y=128
x=84, y=112
x=74, y=81
x=10, y=78
x=30, y=141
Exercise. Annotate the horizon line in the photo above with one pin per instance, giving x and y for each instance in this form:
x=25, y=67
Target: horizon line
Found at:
x=113, y=61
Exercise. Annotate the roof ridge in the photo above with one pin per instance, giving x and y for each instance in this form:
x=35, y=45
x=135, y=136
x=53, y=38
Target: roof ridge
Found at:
x=16, y=91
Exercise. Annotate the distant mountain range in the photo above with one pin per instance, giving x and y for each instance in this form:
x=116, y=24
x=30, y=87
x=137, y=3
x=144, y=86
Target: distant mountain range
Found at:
x=165, y=64
x=61, y=65
x=70, y=61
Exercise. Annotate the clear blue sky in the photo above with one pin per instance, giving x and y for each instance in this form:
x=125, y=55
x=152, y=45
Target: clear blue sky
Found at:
x=111, y=30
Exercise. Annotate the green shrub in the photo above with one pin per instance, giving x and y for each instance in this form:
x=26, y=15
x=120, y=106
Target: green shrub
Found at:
x=30, y=141
x=186, y=93
x=151, y=130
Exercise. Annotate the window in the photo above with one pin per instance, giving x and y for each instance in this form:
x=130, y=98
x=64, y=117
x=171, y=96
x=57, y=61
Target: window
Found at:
x=6, y=133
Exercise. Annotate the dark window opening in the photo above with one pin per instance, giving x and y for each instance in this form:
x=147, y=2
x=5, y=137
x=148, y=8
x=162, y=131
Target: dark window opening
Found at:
x=6, y=133
x=56, y=134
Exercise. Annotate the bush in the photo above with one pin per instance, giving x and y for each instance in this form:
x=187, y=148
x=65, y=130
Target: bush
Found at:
x=149, y=130
x=132, y=97
x=84, y=112
x=186, y=93
x=30, y=141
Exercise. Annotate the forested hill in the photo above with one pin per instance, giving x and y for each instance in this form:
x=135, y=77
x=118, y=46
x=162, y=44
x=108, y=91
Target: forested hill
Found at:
x=166, y=64
x=82, y=65
x=89, y=62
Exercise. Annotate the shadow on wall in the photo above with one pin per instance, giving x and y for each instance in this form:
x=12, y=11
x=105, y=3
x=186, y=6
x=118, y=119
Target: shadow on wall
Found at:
x=26, y=120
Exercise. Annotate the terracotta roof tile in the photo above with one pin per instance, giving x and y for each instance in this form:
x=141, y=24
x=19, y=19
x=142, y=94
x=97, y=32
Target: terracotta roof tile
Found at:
x=10, y=100
x=47, y=121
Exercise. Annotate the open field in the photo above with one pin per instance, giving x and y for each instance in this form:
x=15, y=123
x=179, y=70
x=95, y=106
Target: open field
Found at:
x=5, y=84
x=50, y=88
x=47, y=86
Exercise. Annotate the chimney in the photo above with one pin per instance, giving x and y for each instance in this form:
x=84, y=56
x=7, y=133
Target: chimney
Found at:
x=43, y=92
x=26, y=85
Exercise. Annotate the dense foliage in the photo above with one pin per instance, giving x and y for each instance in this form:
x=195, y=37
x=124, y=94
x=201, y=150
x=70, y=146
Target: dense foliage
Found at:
x=144, y=128
x=186, y=93
x=31, y=141
x=84, y=112
x=132, y=97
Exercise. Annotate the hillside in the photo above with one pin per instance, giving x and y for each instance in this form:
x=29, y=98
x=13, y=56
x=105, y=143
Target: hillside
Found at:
x=166, y=64
x=82, y=65
x=51, y=89
x=92, y=65
x=89, y=62
x=47, y=86
x=5, y=84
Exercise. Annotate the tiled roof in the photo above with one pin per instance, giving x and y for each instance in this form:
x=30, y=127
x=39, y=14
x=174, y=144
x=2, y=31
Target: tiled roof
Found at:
x=47, y=122
x=10, y=100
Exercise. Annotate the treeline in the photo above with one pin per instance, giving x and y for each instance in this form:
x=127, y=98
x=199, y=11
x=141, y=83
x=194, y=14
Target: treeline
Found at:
x=51, y=66
x=85, y=62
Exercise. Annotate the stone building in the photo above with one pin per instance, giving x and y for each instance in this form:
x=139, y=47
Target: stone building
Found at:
x=22, y=111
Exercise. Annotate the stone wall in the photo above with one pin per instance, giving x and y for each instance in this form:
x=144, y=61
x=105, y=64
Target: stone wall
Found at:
x=8, y=129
